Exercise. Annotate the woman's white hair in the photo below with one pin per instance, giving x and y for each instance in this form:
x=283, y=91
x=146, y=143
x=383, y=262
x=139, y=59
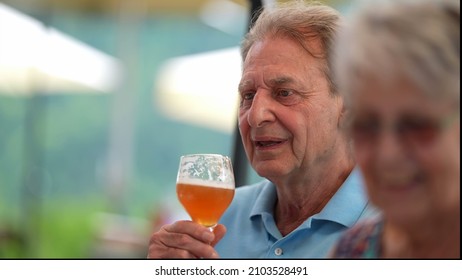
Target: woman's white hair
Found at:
x=389, y=39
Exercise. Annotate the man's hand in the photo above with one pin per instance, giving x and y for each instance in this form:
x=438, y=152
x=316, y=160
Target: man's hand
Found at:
x=185, y=239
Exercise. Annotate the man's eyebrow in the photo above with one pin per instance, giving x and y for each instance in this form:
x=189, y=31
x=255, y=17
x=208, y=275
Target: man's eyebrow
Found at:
x=287, y=81
x=278, y=81
x=244, y=84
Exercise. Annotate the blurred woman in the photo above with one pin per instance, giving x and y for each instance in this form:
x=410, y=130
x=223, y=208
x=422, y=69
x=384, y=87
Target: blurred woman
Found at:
x=398, y=62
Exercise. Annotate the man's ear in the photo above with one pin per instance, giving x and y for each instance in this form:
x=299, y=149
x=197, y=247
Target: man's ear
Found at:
x=343, y=116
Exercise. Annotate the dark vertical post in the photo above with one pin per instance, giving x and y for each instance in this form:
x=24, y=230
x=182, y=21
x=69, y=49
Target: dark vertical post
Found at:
x=240, y=163
x=256, y=7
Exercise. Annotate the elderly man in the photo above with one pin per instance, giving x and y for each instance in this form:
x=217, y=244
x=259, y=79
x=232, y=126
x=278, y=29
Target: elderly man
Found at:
x=290, y=119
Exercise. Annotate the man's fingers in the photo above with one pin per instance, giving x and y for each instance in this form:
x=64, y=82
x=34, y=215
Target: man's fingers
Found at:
x=219, y=231
x=158, y=250
x=192, y=229
x=183, y=239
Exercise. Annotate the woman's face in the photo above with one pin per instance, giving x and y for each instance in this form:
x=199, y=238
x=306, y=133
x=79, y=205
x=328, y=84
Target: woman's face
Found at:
x=408, y=147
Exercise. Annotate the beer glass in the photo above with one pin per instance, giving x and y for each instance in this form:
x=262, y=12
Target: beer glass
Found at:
x=205, y=187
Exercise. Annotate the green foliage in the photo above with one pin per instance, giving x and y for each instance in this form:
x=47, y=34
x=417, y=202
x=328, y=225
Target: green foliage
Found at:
x=54, y=228
x=69, y=228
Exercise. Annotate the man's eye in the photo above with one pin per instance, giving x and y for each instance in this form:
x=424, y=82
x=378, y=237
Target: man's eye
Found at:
x=248, y=96
x=288, y=97
x=285, y=92
x=246, y=99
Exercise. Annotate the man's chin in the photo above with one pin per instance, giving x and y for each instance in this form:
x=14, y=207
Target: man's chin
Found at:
x=268, y=170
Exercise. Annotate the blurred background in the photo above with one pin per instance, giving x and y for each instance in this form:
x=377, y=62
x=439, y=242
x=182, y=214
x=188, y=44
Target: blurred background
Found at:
x=98, y=100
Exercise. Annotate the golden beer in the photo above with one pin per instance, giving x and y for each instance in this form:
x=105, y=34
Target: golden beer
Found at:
x=205, y=204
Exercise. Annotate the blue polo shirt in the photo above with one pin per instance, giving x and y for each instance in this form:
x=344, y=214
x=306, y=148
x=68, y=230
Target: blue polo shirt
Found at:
x=252, y=231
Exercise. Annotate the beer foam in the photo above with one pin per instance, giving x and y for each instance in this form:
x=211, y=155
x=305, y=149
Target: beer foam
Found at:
x=206, y=183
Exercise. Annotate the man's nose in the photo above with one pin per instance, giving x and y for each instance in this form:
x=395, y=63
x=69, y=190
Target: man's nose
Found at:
x=261, y=111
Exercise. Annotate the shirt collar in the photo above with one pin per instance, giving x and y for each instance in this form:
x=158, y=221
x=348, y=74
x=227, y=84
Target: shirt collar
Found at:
x=347, y=204
x=265, y=201
x=345, y=207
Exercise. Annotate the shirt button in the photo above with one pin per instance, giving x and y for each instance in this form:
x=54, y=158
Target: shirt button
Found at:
x=278, y=251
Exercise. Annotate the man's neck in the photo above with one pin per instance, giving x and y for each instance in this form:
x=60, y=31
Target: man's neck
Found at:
x=299, y=201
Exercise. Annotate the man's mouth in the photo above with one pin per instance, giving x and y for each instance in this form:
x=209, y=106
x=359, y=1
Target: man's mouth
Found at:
x=268, y=142
x=265, y=144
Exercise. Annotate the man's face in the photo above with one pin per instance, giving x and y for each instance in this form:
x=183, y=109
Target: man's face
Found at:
x=287, y=118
